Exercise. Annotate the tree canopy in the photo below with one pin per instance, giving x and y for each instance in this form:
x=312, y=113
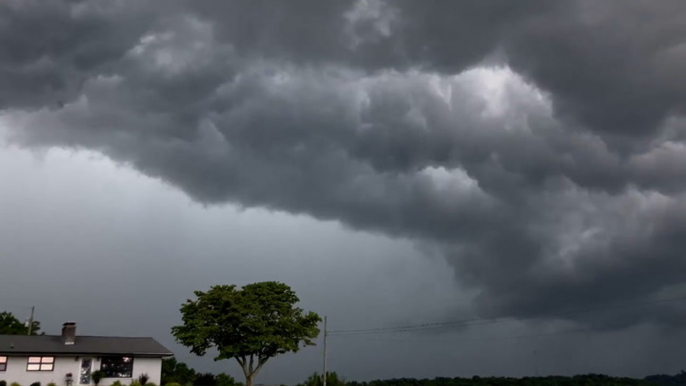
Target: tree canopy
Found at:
x=10, y=325
x=251, y=324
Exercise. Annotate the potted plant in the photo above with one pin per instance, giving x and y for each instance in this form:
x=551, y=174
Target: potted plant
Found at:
x=143, y=378
x=97, y=376
x=69, y=379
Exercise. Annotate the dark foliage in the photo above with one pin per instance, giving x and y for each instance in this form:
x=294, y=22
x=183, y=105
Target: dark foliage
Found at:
x=174, y=371
x=585, y=380
x=10, y=325
x=332, y=379
x=205, y=379
x=668, y=380
x=97, y=376
x=226, y=380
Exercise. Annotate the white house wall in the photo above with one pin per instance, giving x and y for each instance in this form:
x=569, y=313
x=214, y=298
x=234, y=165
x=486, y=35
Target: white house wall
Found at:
x=16, y=371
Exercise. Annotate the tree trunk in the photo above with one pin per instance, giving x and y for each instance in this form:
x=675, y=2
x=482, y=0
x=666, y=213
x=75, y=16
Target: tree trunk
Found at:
x=249, y=369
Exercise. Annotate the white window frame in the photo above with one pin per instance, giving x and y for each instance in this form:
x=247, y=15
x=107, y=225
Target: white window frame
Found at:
x=40, y=363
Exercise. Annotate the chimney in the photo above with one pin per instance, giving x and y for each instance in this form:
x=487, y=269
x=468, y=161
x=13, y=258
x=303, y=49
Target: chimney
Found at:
x=69, y=333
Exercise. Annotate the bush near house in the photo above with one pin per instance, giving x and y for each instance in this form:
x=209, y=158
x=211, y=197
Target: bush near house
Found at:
x=97, y=376
x=3, y=383
x=14, y=384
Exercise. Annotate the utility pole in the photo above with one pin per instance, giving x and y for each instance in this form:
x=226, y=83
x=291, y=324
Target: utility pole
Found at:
x=326, y=333
x=31, y=320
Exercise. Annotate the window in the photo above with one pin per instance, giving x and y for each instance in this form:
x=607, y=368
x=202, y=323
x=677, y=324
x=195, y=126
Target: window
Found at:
x=40, y=364
x=117, y=367
x=85, y=378
x=3, y=363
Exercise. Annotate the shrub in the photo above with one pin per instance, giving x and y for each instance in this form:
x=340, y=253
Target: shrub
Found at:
x=15, y=384
x=35, y=384
x=205, y=379
x=136, y=383
x=116, y=383
x=97, y=376
x=3, y=383
x=168, y=384
x=51, y=384
x=225, y=380
x=143, y=379
x=150, y=384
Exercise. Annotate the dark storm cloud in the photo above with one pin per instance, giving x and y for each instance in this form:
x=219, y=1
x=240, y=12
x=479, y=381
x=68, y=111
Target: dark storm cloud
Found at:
x=607, y=66
x=49, y=48
x=562, y=188
x=614, y=68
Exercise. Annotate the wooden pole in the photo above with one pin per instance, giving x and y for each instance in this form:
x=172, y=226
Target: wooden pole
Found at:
x=324, y=366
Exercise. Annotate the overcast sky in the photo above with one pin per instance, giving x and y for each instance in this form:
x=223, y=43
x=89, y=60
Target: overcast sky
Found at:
x=395, y=162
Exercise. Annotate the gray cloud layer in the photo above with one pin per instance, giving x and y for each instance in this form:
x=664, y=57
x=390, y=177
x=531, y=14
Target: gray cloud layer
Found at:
x=537, y=145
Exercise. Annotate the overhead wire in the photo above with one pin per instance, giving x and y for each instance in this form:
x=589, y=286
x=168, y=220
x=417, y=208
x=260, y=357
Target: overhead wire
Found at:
x=493, y=338
x=496, y=320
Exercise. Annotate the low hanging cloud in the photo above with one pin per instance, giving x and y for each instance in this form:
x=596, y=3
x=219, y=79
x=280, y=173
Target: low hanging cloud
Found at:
x=537, y=146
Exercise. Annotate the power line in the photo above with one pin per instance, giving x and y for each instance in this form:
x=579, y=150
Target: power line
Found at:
x=481, y=321
x=494, y=338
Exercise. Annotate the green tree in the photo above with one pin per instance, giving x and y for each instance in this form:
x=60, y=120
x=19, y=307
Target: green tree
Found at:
x=251, y=324
x=9, y=325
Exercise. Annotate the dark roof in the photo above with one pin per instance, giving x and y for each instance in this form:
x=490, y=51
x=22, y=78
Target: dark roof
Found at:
x=102, y=345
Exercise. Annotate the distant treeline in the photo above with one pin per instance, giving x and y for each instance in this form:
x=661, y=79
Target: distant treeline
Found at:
x=334, y=379
x=668, y=380
x=585, y=380
x=174, y=372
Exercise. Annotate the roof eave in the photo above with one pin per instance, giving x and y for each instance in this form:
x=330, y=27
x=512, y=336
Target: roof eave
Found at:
x=71, y=354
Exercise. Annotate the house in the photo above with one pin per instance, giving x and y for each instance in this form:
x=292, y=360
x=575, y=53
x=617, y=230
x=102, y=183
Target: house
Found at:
x=49, y=358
